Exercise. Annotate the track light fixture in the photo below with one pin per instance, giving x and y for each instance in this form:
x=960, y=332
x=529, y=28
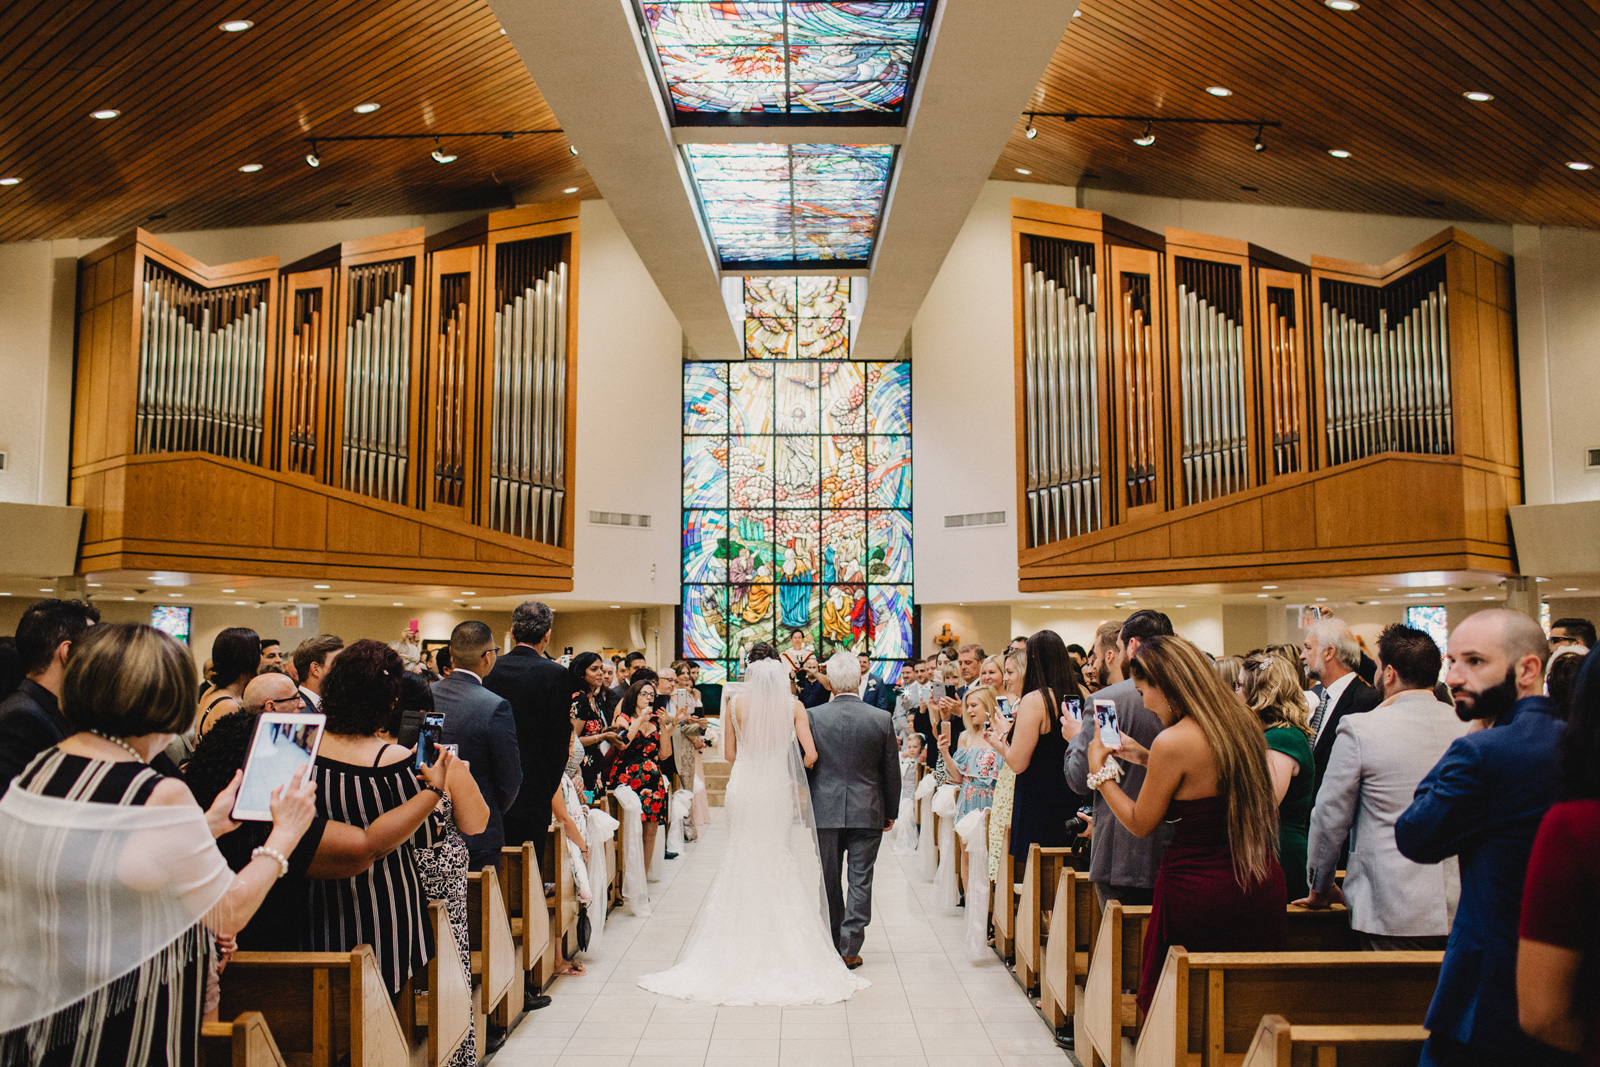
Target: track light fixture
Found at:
x=573, y=149
x=439, y=154
x=312, y=159
x=1148, y=137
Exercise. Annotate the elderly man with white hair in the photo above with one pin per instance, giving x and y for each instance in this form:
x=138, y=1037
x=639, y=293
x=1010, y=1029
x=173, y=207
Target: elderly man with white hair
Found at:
x=1331, y=656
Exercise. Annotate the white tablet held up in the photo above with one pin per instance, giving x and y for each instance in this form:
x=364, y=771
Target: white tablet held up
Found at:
x=283, y=743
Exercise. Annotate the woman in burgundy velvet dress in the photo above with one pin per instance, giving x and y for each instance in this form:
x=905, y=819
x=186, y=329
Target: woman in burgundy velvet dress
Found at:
x=1219, y=888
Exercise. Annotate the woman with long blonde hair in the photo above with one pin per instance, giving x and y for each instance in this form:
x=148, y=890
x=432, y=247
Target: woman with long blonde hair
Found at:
x=1013, y=670
x=1270, y=686
x=1219, y=888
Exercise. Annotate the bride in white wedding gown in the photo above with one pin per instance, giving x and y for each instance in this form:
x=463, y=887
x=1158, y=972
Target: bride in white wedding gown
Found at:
x=762, y=936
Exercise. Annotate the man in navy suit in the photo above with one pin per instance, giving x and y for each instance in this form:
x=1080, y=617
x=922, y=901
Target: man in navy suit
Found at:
x=479, y=722
x=1482, y=803
x=875, y=691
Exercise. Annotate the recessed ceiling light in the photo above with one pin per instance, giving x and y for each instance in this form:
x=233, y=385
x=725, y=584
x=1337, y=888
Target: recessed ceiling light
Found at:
x=1386, y=590
x=124, y=598
x=9, y=181
x=1477, y=97
x=1047, y=606
x=47, y=590
x=570, y=189
x=468, y=592
x=615, y=606
x=1488, y=598
x=1180, y=605
x=1338, y=153
x=322, y=587
x=240, y=603
x=1217, y=90
x=477, y=607
x=96, y=585
x=1269, y=587
x=230, y=590
x=1322, y=600
x=1263, y=596
x=105, y=113
x=1575, y=165
x=367, y=108
x=397, y=603
x=250, y=168
x=1343, y=5
x=1572, y=589
x=235, y=25
x=176, y=596
x=1024, y=170
x=349, y=596
x=294, y=600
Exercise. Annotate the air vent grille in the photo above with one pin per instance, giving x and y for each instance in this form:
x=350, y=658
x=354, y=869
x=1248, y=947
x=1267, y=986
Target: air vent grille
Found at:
x=1594, y=459
x=977, y=518
x=617, y=518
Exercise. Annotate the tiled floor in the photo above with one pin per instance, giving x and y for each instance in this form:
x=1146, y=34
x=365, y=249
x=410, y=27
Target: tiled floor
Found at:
x=929, y=1004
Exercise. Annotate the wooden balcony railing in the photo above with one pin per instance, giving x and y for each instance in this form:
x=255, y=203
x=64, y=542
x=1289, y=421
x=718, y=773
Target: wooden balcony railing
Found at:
x=1197, y=408
x=420, y=390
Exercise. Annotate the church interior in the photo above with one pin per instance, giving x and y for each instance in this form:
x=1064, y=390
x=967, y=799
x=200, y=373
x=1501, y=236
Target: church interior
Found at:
x=890, y=328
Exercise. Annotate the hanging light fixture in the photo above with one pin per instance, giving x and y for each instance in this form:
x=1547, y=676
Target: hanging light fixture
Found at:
x=1260, y=145
x=1032, y=131
x=312, y=159
x=1146, y=139
x=439, y=154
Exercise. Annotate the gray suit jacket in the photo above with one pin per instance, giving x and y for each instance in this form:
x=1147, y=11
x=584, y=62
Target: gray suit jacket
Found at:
x=856, y=781
x=480, y=721
x=1116, y=857
x=1377, y=761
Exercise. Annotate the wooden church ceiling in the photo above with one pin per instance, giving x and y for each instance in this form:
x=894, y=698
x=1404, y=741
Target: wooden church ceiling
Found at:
x=197, y=103
x=1383, y=82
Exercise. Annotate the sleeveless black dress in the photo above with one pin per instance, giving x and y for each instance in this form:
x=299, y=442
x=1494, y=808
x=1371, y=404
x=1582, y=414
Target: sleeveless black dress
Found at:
x=149, y=1017
x=1042, y=803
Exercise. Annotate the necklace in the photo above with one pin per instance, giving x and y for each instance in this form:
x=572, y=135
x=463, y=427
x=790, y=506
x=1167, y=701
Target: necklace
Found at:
x=120, y=743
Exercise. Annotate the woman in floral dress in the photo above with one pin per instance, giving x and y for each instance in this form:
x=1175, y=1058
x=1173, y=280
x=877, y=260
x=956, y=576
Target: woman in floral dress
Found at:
x=638, y=764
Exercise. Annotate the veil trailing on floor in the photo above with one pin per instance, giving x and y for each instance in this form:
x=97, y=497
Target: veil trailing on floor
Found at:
x=762, y=936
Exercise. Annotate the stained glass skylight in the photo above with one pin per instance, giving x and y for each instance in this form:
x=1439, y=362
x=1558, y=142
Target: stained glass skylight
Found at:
x=771, y=205
x=786, y=61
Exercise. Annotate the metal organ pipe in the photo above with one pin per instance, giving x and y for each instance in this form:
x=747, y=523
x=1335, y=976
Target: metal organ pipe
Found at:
x=1061, y=391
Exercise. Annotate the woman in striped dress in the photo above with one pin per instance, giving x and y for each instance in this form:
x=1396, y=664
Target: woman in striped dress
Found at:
x=113, y=895
x=360, y=776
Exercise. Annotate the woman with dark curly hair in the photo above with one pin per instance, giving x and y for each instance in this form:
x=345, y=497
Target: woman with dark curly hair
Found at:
x=360, y=776
x=587, y=678
x=638, y=766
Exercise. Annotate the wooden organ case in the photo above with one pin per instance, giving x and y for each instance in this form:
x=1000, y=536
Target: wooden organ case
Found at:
x=1197, y=409
x=374, y=411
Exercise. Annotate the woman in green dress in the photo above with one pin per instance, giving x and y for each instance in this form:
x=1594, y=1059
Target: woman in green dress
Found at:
x=1270, y=686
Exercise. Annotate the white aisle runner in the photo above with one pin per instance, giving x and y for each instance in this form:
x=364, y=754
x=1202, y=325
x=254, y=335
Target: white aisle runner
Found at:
x=928, y=1004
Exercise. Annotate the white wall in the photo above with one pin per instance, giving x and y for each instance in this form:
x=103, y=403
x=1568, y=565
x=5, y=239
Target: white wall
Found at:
x=37, y=301
x=1558, y=348
x=630, y=421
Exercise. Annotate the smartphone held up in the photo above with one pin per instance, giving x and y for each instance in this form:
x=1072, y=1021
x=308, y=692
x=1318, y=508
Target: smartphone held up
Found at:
x=1105, y=717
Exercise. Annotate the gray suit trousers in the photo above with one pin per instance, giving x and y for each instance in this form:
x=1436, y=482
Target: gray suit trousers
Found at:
x=849, y=918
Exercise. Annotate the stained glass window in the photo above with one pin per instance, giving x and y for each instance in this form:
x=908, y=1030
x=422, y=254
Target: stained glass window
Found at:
x=786, y=61
x=771, y=205
x=1432, y=621
x=796, y=489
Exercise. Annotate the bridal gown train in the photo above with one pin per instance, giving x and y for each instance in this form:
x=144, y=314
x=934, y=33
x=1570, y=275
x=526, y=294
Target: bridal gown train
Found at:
x=762, y=936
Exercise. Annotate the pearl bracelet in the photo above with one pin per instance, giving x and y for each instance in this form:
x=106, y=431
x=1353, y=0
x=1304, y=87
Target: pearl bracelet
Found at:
x=1111, y=772
x=283, y=861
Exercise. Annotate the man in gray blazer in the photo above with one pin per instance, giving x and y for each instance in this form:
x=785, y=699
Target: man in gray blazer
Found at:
x=1121, y=866
x=1373, y=771
x=855, y=793
x=479, y=722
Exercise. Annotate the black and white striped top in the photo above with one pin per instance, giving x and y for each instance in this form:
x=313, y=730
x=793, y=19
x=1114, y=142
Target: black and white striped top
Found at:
x=384, y=906
x=150, y=1016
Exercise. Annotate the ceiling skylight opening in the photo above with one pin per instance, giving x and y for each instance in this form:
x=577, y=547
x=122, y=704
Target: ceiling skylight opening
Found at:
x=774, y=206
x=787, y=62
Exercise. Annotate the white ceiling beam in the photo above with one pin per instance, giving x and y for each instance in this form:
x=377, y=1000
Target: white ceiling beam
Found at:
x=588, y=60
x=985, y=59
x=789, y=134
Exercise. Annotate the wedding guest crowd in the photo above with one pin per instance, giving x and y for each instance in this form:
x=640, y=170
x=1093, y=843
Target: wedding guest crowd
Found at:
x=1458, y=790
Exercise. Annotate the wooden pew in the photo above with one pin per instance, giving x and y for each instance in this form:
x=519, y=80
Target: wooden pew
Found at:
x=321, y=1006
x=522, y=888
x=1005, y=900
x=1278, y=1044
x=1109, y=1008
x=1208, y=1005
x=495, y=966
x=438, y=1021
x=1110, y=1013
x=1038, y=894
x=1069, y=943
x=245, y=1042
x=562, y=906
x=613, y=888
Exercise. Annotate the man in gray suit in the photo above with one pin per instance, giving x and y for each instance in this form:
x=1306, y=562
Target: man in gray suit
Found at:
x=479, y=722
x=1121, y=866
x=855, y=793
x=1373, y=771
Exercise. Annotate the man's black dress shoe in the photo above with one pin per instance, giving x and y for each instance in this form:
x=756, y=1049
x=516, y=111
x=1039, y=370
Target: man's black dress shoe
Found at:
x=669, y=855
x=495, y=1038
x=534, y=1001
